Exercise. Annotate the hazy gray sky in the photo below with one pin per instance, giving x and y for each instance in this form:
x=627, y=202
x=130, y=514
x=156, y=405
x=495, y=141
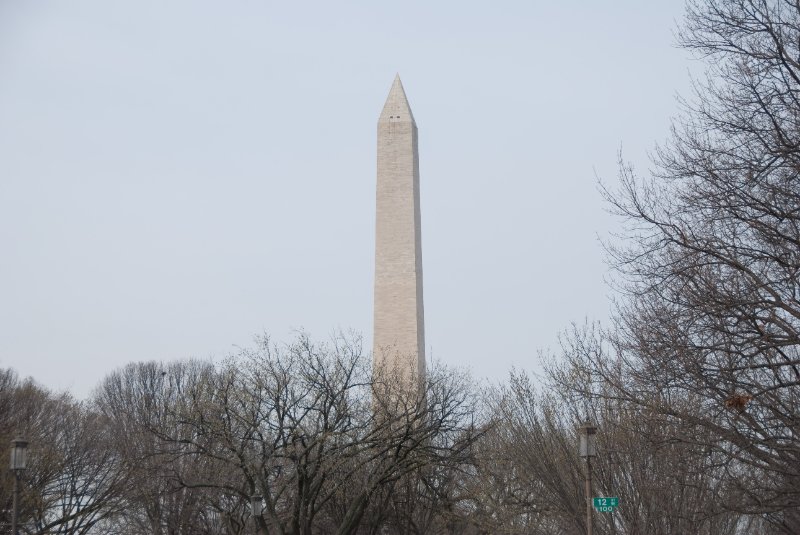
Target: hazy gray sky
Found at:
x=178, y=176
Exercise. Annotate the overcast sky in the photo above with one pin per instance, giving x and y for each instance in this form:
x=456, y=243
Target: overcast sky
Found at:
x=179, y=176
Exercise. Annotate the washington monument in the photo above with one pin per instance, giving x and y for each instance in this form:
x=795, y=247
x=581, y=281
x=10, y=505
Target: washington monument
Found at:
x=399, y=328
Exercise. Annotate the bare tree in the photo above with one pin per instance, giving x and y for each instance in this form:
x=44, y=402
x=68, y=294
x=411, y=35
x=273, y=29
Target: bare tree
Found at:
x=73, y=481
x=139, y=403
x=532, y=479
x=706, y=331
x=307, y=427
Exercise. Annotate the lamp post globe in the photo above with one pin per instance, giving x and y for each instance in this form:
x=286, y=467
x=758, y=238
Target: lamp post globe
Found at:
x=587, y=435
x=19, y=454
x=587, y=448
x=255, y=509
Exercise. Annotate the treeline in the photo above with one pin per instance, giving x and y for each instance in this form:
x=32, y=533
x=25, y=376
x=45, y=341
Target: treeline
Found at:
x=327, y=447
x=184, y=447
x=694, y=383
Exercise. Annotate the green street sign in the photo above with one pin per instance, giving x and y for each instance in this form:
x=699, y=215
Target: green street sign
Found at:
x=605, y=505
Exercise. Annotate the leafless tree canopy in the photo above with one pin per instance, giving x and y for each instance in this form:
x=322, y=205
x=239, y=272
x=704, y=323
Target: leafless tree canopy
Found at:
x=706, y=330
x=300, y=426
x=74, y=479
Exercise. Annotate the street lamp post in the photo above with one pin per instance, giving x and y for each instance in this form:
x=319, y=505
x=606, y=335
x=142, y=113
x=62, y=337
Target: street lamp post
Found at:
x=19, y=458
x=587, y=448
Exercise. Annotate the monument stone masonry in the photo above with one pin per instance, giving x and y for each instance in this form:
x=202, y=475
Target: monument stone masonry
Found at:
x=399, y=323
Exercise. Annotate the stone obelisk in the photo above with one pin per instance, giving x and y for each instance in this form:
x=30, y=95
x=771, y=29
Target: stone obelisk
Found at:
x=399, y=328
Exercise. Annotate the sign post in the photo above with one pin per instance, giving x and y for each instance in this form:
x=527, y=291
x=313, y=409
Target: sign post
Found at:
x=605, y=505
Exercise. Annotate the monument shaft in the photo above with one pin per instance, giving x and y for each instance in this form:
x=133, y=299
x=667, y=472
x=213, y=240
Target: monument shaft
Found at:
x=399, y=325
